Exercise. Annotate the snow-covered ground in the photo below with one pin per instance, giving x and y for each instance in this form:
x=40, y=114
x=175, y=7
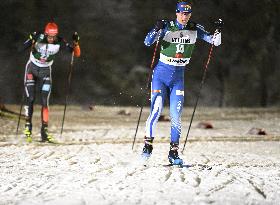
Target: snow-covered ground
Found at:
x=94, y=163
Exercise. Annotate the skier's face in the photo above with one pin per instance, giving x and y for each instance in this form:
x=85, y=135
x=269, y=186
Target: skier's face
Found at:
x=50, y=38
x=183, y=17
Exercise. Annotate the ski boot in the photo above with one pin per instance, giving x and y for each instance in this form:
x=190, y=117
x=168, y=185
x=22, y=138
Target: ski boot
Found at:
x=148, y=148
x=173, y=155
x=46, y=137
x=28, y=132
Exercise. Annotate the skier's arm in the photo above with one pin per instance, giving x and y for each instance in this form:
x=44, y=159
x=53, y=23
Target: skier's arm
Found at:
x=28, y=43
x=76, y=46
x=76, y=50
x=206, y=36
x=73, y=47
x=153, y=35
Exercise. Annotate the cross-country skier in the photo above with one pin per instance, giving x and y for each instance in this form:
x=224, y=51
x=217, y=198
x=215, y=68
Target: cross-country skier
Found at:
x=177, y=38
x=44, y=46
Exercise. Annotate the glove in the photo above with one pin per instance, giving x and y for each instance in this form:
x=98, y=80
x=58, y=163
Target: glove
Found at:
x=32, y=36
x=219, y=25
x=159, y=25
x=75, y=37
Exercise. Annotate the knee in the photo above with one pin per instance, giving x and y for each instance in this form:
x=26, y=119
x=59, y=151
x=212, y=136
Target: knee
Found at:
x=157, y=104
x=44, y=101
x=46, y=87
x=30, y=99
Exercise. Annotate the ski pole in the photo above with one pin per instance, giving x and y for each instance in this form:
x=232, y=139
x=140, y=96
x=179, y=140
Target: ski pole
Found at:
x=19, y=116
x=67, y=90
x=199, y=92
x=147, y=86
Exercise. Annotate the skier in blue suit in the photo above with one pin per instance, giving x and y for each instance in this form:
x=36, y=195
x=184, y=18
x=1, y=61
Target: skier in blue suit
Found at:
x=177, y=39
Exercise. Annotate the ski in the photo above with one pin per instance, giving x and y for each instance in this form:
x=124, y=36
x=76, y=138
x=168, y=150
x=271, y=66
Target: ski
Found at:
x=200, y=166
x=177, y=165
x=40, y=143
x=47, y=143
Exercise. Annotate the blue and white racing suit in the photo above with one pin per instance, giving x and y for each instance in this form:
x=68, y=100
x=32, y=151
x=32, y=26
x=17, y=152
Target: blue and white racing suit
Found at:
x=177, y=43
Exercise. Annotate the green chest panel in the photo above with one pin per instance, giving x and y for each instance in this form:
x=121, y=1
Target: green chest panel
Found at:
x=178, y=43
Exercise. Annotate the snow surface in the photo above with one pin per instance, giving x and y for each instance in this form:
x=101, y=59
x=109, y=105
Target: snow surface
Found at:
x=95, y=163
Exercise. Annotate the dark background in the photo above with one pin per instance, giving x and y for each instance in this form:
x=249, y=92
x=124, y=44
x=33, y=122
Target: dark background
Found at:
x=113, y=68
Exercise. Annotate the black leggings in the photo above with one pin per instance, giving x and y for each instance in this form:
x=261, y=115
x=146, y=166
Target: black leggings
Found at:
x=40, y=76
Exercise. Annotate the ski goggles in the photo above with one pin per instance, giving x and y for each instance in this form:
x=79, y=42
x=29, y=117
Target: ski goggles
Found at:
x=183, y=7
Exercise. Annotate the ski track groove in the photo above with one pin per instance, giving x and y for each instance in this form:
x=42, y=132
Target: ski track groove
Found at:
x=168, y=175
x=250, y=182
x=131, y=173
x=254, y=184
x=48, y=155
x=198, y=180
x=37, y=155
x=182, y=176
x=258, y=189
x=106, y=131
x=223, y=184
x=207, y=160
x=97, y=160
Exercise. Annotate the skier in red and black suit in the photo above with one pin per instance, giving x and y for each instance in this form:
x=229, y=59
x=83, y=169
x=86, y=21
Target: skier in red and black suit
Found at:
x=44, y=46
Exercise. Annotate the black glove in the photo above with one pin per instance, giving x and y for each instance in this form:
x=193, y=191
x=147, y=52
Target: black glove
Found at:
x=219, y=24
x=75, y=37
x=159, y=25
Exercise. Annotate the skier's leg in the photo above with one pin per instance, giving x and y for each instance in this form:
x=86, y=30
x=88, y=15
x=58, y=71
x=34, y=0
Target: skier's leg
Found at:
x=176, y=107
x=45, y=87
x=158, y=92
x=29, y=87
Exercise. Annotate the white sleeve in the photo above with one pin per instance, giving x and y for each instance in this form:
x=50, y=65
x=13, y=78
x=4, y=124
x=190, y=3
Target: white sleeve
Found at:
x=217, y=39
